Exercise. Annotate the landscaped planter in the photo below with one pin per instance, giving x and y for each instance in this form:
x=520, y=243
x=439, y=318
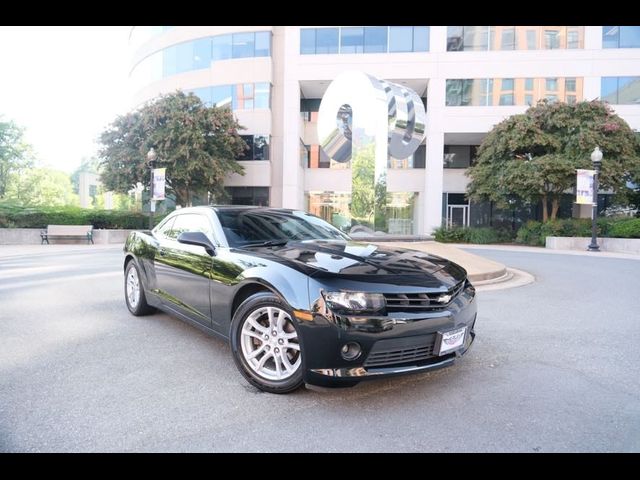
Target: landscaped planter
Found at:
x=31, y=236
x=620, y=245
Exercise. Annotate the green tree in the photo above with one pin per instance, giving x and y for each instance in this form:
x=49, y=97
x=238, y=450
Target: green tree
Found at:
x=15, y=153
x=535, y=155
x=41, y=187
x=197, y=145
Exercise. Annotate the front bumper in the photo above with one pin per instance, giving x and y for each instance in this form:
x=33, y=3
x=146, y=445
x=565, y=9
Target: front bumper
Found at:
x=395, y=345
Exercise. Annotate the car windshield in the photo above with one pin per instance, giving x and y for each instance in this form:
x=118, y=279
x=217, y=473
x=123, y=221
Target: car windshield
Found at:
x=245, y=228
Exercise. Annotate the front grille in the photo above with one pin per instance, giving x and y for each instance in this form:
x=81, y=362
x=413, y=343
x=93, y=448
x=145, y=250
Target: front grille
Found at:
x=401, y=350
x=421, y=302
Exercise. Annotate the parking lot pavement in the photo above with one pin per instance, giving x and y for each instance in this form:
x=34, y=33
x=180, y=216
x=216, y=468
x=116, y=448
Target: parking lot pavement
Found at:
x=553, y=369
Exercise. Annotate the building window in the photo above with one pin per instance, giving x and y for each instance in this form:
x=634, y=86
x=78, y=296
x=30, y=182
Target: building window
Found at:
x=528, y=84
x=221, y=46
x=621, y=90
x=198, y=54
x=400, y=39
x=352, y=40
x=258, y=147
x=571, y=99
x=506, y=99
x=420, y=39
x=258, y=196
x=243, y=45
x=551, y=98
x=458, y=156
x=242, y=96
x=624, y=36
x=307, y=41
x=482, y=38
x=573, y=38
x=551, y=39
x=375, y=39
x=507, y=84
x=364, y=40
x=327, y=40
x=509, y=91
x=508, y=39
x=532, y=40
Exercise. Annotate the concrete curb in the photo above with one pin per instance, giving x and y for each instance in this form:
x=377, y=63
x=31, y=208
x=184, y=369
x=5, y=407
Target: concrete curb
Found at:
x=513, y=278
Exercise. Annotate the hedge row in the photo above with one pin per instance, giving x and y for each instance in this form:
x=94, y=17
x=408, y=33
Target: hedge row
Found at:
x=13, y=216
x=535, y=233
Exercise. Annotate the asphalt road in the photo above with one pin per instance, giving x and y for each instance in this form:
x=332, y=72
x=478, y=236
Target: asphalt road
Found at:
x=555, y=368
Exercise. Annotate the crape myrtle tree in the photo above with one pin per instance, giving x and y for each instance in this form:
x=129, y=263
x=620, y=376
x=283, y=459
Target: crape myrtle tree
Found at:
x=534, y=156
x=197, y=145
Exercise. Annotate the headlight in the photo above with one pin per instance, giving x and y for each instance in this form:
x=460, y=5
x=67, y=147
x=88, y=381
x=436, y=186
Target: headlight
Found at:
x=354, y=302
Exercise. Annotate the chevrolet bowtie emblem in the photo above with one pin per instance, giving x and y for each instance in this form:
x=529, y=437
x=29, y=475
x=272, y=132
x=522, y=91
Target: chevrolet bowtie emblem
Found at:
x=444, y=298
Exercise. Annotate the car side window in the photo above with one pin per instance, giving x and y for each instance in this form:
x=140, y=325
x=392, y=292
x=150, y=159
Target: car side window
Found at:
x=190, y=222
x=165, y=229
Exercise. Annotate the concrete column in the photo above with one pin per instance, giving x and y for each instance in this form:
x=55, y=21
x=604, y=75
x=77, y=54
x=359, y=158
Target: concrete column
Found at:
x=431, y=201
x=287, y=179
x=437, y=38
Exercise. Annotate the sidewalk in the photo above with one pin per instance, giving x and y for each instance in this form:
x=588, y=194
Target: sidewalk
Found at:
x=522, y=248
x=24, y=250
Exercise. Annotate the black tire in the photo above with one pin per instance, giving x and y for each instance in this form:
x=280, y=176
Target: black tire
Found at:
x=141, y=307
x=252, y=304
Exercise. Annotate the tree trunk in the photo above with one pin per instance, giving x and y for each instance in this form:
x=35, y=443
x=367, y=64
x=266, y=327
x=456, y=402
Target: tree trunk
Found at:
x=555, y=205
x=545, y=211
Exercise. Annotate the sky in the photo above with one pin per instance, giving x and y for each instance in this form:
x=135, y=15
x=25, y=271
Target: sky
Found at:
x=64, y=85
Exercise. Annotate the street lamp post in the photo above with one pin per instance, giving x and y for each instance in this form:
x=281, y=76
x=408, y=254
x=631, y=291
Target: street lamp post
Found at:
x=151, y=158
x=596, y=158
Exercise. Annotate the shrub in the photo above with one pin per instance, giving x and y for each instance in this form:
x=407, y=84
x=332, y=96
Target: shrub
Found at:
x=626, y=228
x=450, y=235
x=482, y=235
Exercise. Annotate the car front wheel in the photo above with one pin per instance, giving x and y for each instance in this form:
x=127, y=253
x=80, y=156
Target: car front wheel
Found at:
x=265, y=344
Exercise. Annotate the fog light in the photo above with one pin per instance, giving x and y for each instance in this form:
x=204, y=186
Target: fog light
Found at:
x=350, y=351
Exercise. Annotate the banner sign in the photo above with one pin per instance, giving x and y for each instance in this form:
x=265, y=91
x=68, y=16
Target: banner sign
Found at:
x=584, y=187
x=158, y=183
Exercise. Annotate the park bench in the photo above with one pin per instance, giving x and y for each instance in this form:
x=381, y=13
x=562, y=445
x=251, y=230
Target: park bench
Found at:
x=84, y=231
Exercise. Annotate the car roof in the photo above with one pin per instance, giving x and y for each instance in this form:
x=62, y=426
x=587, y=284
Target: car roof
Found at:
x=222, y=208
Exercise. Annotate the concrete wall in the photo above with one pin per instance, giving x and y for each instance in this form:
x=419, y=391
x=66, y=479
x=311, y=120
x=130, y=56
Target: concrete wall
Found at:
x=31, y=236
x=619, y=245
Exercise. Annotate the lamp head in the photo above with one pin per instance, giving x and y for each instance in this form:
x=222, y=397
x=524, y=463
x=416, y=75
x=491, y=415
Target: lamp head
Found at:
x=596, y=156
x=151, y=155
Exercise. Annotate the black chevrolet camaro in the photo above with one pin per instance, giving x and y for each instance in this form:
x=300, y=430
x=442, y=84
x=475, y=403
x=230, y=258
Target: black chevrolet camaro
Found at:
x=299, y=301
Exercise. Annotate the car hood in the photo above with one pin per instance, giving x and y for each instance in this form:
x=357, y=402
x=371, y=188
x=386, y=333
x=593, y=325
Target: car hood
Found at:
x=350, y=259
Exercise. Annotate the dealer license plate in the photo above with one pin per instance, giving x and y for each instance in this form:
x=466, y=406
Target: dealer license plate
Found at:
x=452, y=340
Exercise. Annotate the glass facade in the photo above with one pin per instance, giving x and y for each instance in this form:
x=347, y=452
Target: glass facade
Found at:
x=334, y=207
x=258, y=147
x=483, y=38
x=314, y=41
x=621, y=90
x=199, y=54
x=511, y=91
x=624, y=36
x=241, y=96
x=459, y=156
x=258, y=196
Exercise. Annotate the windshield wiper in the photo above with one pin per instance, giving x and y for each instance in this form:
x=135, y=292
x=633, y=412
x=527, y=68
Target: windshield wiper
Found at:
x=267, y=243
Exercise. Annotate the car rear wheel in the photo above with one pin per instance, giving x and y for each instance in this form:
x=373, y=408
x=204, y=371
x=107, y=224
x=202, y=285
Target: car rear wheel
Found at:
x=134, y=292
x=265, y=344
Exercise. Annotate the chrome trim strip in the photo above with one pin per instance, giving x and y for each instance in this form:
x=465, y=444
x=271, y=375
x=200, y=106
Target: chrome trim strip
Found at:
x=363, y=372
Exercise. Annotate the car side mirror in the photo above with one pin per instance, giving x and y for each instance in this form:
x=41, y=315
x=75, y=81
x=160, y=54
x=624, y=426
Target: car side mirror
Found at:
x=198, y=238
